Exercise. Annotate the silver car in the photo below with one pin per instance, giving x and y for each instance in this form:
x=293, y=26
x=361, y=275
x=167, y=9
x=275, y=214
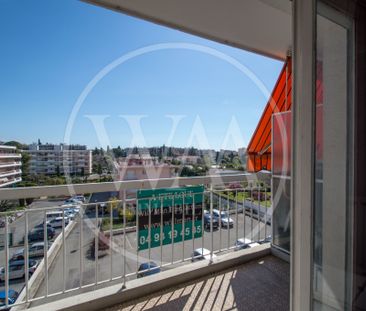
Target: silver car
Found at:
x=201, y=254
x=35, y=250
x=57, y=222
x=244, y=243
x=17, y=269
x=226, y=221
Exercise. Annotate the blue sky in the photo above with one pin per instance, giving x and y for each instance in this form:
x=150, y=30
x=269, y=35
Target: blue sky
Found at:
x=50, y=50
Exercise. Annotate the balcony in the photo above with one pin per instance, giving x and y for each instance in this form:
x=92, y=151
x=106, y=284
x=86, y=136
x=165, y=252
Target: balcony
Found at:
x=10, y=173
x=4, y=182
x=94, y=254
x=10, y=164
x=10, y=156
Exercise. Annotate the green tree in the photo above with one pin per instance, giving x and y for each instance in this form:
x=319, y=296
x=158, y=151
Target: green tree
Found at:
x=99, y=169
x=58, y=173
x=16, y=144
x=25, y=164
x=5, y=205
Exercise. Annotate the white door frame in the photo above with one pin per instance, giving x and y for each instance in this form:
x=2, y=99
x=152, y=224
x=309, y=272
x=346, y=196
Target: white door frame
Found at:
x=303, y=121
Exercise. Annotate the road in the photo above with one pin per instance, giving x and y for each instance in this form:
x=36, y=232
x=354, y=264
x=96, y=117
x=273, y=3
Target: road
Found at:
x=67, y=275
x=17, y=228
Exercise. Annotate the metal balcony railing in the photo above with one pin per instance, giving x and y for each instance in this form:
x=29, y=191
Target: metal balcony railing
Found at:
x=6, y=173
x=99, y=241
x=5, y=181
x=9, y=164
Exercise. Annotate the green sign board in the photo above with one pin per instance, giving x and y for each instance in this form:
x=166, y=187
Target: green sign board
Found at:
x=159, y=207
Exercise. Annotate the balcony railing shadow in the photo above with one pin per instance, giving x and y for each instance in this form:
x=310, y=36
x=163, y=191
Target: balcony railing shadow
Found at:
x=261, y=284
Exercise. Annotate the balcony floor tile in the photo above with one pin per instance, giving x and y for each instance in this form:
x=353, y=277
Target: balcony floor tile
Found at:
x=258, y=285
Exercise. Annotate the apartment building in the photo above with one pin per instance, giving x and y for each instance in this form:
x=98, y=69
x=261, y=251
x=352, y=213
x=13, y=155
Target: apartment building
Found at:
x=242, y=153
x=50, y=159
x=209, y=154
x=10, y=166
x=189, y=159
x=136, y=167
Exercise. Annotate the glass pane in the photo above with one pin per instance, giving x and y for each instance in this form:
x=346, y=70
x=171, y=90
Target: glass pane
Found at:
x=281, y=168
x=332, y=153
x=281, y=212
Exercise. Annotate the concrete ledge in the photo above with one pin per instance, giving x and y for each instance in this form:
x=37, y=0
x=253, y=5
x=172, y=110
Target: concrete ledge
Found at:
x=113, y=295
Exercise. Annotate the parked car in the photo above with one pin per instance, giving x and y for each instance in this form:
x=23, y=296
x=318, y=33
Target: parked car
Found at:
x=268, y=239
x=207, y=221
x=37, y=234
x=12, y=297
x=73, y=201
x=244, y=243
x=57, y=222
x=73, y=209
x=54, y=214
x=69, y=205
x=41, y=225
x=144, y=268
x=76, y=209
x=201, y=254
x=226, y=221
x=35, y=250
x=17, y=269
x=70, y=214
x=79, y=198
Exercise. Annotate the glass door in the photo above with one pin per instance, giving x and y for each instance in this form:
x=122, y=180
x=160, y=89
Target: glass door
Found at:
x=333, y=164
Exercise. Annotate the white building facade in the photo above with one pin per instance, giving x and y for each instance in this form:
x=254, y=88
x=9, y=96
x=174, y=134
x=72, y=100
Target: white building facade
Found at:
x=136, y=167
x=10, y=166
x=50, y=159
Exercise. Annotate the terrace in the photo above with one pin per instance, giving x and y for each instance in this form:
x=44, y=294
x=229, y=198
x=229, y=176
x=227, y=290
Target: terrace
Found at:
x=84, y=259
x=315, y=218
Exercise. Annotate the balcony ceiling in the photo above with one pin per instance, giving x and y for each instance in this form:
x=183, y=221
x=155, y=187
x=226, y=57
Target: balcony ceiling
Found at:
x=260, y=26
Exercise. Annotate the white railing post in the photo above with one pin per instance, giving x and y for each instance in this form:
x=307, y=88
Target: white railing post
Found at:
x=124, y=237
x=26, y=258
x=211, y=224
x=45, y=250
x=6, y=244
x=63, y=252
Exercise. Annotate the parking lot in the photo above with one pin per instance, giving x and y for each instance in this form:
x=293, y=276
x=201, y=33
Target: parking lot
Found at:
x=17, y=229
x=112, y=264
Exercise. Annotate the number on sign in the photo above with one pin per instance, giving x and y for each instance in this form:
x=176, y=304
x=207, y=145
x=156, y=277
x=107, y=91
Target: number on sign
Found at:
x=142, y=240
x=156, y=237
